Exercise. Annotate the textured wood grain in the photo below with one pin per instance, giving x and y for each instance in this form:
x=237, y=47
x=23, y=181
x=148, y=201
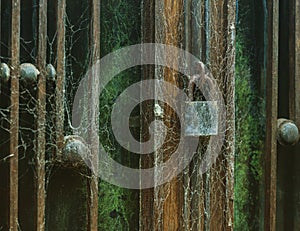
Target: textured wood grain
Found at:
x=61, y=74
x=41, y=120
x=14, y=116
x=94, y=105
x=294, y=59
x=271, y=123
x=146, y=213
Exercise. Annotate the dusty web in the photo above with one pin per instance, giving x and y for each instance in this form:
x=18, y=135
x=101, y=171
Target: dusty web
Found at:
x=192, y=201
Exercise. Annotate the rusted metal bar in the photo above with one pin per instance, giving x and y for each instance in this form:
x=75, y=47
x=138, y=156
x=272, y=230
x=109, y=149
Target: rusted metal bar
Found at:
x=14, y=116
x=41, y=119
x=61, y=72
x=272, y=111
x=93, y=111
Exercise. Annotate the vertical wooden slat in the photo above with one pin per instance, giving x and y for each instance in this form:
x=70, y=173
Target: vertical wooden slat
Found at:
x=0, y=27
x=272, y=109
x=41, y=119
x=197, y=47
x=14, y=116
x=222, y=61
x=230, y=11
x=294, y=49
x=169, y=197
x=146, y=216
x=297, y=64
x=216, y=61
x=61, y=72
x=94, y=106
x=186, y=210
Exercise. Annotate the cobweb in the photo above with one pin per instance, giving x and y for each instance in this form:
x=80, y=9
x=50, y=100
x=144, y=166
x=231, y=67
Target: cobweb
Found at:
x=192, y=201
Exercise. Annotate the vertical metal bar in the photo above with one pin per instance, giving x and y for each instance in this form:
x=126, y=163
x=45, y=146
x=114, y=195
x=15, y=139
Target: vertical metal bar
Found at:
x=93, y=111
x=14, y=115
x=60, y=83
x=272, y=110
x=41, y=119
x=294, y=46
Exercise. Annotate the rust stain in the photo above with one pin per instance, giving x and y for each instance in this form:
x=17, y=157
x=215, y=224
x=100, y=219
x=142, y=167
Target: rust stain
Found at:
x=14, y=116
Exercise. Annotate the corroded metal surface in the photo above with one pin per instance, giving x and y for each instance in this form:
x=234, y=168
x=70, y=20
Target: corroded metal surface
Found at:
x=28, y=72
x=4, y=72
x=287, y=132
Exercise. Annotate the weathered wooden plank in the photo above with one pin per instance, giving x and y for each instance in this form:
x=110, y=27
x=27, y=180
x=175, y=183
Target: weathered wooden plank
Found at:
x=0, y=27
x=93, y=108
x=297, y=64
x=170, y=32
x=61, y=73
x=14, y=115
x=217, y=41
x=199, y=200
x=159, y=192
x=221, y=63
x=194, y=196
x=146, y=214
x=271, y=114
x=186, y=207
x=41, y=119
x=230, y=11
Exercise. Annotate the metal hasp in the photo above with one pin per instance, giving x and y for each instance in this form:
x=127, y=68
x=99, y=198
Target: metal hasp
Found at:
x=201, y=118
x=287, y=132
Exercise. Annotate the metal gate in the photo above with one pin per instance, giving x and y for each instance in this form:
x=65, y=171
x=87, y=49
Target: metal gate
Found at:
x=35, y=127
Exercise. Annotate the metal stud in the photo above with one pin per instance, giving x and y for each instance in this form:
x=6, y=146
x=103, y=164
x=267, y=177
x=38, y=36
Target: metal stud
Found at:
x=4, y=72
x=287, y=132
x=51, y=72
x=28, y=72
